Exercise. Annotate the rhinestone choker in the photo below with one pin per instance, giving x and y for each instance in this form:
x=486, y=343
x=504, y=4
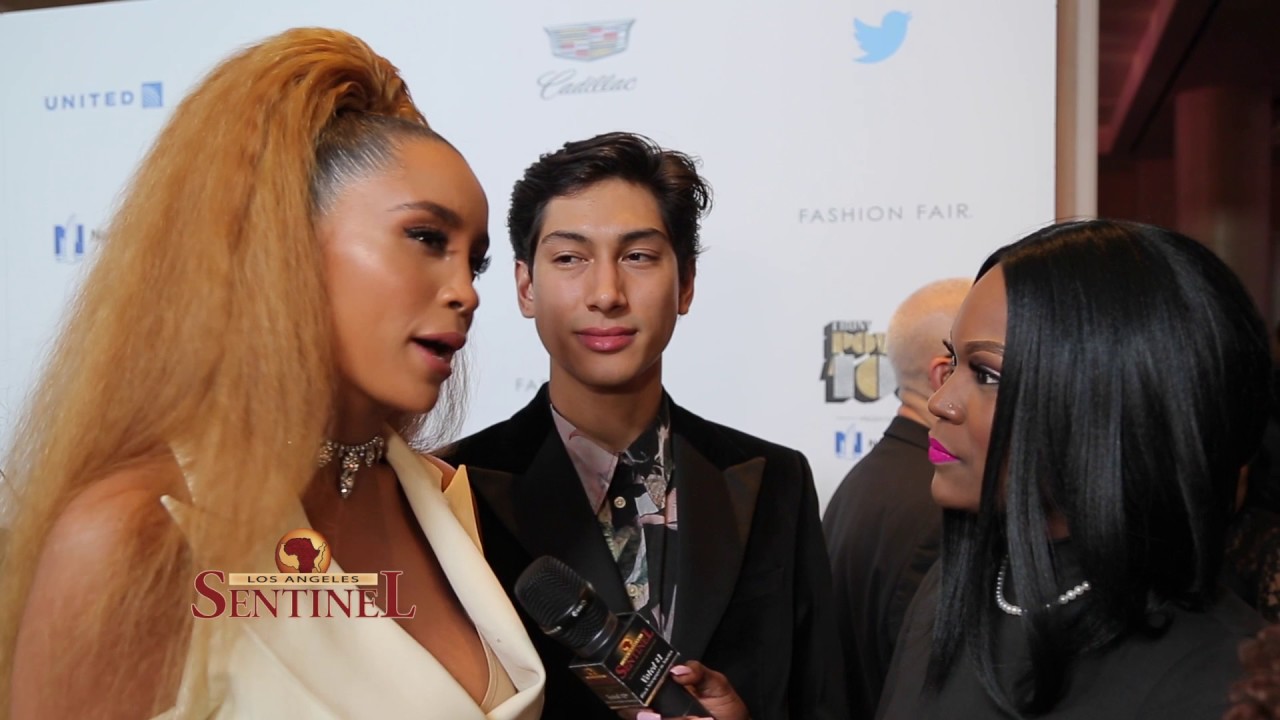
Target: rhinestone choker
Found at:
x=1014, y=610
x=351, y=458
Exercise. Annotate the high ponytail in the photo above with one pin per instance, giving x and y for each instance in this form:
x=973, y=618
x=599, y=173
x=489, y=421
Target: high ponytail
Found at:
x=203, y=330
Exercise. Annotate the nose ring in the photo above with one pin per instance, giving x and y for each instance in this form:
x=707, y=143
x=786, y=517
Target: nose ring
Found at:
x=951, y=407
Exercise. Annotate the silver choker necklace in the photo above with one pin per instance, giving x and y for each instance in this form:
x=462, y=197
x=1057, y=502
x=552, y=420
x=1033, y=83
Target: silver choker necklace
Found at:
x=1014, y=610
x=352, y=457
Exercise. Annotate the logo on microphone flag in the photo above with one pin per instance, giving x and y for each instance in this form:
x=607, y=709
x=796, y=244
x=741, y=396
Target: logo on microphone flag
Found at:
x=635, y=668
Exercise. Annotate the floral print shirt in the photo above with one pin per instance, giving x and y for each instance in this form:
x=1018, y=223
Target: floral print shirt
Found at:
x=633, y=495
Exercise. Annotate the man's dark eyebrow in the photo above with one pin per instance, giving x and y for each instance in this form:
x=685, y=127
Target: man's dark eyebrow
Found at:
x=565, y=235
x=643, y=234
x=446, y=216
x=627, y=237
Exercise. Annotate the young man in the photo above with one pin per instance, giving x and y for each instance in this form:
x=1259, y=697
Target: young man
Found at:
x=711, y=534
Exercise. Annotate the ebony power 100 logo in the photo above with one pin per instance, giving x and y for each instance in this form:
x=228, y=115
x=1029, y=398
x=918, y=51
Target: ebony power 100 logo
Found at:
x=854, y=363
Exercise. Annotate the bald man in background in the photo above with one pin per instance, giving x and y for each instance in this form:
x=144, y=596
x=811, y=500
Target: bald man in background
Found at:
x=881, y=526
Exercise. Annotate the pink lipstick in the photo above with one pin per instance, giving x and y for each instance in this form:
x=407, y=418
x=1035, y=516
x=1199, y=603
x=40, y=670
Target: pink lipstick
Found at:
x=939, y=455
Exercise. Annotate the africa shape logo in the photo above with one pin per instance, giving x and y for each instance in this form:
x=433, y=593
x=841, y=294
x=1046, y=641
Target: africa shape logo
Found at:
x=880, y=42
x=303, y=551
x=301, y=589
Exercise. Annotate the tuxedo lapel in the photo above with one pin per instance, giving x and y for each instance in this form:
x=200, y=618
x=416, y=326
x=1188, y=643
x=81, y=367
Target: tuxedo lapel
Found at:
x=714, y=519
x=547, y=511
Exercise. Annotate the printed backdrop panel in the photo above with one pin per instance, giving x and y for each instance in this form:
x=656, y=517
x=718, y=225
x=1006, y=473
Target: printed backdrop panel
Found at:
x=857, y=148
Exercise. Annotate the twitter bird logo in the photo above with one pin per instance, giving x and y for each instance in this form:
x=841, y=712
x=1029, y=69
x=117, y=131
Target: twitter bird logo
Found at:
x=880, y=43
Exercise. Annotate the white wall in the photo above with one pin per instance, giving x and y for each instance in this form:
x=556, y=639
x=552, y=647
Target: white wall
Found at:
x=840, y=185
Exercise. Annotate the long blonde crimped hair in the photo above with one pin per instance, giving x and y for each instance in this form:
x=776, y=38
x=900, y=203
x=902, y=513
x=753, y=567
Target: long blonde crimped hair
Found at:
x=204, y=327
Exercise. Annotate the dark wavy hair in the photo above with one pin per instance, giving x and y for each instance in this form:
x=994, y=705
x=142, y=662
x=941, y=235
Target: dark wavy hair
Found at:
x=683, y=196
x=1133, y=390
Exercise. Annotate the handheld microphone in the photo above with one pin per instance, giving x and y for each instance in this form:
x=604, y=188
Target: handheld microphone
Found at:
x=624, y=659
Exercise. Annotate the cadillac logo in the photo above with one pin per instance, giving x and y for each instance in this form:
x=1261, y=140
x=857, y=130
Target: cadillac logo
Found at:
x=589, y=41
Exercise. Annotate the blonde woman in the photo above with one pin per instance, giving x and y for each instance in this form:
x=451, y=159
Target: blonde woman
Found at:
x=285, y=286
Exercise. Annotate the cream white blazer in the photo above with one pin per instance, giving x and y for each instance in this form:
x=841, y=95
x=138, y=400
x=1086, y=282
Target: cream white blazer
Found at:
x=370, y=667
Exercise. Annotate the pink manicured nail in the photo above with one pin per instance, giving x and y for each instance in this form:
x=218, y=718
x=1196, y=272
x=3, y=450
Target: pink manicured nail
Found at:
x=680, y=670
x=646, y=715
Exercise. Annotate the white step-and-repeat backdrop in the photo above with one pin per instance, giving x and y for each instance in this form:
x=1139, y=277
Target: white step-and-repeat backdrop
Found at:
x=857, y=148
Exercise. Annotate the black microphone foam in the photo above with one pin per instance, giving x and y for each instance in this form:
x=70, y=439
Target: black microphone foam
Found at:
x=563, y=604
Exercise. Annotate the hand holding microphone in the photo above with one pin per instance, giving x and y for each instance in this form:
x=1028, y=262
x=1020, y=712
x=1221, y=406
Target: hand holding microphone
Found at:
x=625, y=661
x=712, y=689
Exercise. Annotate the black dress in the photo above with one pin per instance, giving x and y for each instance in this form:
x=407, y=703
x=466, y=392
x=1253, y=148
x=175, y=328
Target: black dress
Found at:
x=1185, y=673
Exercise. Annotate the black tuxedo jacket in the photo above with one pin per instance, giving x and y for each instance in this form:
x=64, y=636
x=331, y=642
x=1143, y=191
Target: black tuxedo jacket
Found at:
x=754, y=590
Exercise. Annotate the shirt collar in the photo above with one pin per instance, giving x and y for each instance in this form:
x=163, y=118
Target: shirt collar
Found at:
x=595, y=465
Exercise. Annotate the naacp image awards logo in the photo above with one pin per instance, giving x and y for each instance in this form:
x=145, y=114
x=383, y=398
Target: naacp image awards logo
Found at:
x=303, y=587
x=586, y=43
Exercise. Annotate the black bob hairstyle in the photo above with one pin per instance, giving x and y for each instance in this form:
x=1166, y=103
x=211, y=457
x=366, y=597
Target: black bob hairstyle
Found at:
x=1134, y=387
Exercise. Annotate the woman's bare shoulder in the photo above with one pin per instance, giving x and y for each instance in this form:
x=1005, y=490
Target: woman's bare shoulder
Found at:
x=103, y=531
x=108, y=515
x=113, y=507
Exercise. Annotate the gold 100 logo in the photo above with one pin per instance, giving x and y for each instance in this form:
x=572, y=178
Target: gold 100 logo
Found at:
x=855, y=365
